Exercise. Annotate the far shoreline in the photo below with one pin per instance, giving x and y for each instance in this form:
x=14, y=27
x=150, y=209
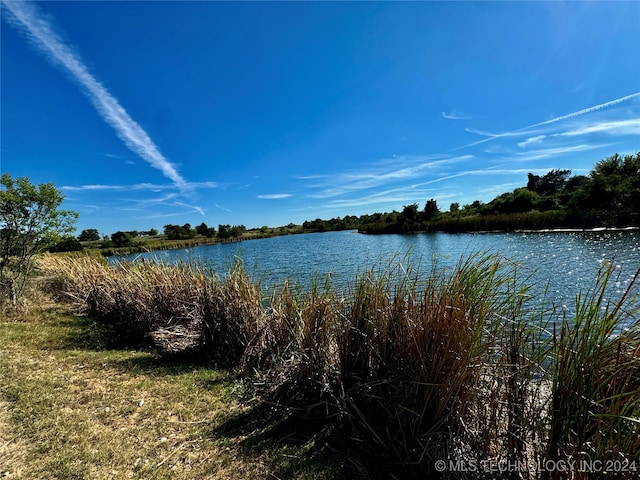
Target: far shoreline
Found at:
x=239, y=240
x=542, y=230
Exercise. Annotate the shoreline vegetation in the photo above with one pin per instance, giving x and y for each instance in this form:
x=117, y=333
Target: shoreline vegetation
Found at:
x=606, y=199
x=402, y=373
x=400, y=370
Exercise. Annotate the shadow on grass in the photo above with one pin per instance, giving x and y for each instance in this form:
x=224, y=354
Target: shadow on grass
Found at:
x=140, y=355
x=292, y=443
x=293, y=446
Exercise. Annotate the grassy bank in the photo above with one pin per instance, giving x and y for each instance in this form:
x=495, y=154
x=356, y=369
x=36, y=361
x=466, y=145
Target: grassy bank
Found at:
x=74, y=405
x=404, y=368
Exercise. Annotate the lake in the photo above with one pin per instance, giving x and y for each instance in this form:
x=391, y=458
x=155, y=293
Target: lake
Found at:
x=561, y=263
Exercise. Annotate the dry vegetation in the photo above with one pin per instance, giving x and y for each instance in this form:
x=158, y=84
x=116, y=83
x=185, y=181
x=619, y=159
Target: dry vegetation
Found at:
x=75, y=406
x=402, y=369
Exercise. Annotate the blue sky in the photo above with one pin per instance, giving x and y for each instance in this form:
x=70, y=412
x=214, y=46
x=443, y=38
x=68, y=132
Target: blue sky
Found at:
x=148, y=113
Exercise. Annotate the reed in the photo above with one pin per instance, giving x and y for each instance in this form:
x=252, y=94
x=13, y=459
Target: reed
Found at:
x=595, y=401
x=231, y=312
x=413, y=367
x=134, y=298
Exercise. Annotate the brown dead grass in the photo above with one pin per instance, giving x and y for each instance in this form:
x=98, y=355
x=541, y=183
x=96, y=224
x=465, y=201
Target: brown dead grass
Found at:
x=72, y=407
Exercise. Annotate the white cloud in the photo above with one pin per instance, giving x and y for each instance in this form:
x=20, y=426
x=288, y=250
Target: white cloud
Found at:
x=152, y=187
x=553, y=152
x=527, y=130
x=621, y=127
x=275, y=196
x=532, y=141
x=28, y=19
x=455, y=114
x=584, y=111
x=222, y=208
x=383, y=173
x=194, y=208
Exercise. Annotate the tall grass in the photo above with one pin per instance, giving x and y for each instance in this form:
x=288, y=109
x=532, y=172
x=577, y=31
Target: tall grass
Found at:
x=135, y=298
x=413, y=367
x=595, y=402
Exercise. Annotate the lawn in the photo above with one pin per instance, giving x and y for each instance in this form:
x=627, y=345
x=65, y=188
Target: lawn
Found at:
x=73, y=406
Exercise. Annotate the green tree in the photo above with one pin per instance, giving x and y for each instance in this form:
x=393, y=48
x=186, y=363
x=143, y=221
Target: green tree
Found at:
x=177, y=232
x=431, y=209
x=89, y=235
x=30, y=222
x=614, y=190
x=224, y=231
x=67, y=244
x=237, y=230
x=524, y=200
x=410, y=212
x=202, y=229
x=121, y=239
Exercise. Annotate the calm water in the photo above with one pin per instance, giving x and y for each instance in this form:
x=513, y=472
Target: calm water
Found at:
x=565, y=262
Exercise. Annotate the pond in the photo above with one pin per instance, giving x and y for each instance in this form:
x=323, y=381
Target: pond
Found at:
x=557, y=265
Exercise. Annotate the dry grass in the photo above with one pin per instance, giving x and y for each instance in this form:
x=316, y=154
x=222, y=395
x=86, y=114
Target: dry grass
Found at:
x=71, y=406
x=403, y=367
x=13, y=450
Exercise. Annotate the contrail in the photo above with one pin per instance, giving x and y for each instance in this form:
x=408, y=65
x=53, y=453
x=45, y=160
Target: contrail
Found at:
x=587, y=110
x=28, y=20
x=556, y=119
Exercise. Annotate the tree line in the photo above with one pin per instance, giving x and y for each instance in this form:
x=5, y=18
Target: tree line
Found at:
x=609, y=196
x=31, y=220
x=171, y=232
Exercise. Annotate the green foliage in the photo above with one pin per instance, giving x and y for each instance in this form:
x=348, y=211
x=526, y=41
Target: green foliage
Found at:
x=30, y=222
x=67, y=244
x=431, y=210
x=227, y=231
x=177, y=232
x=549, y=184
x=238, y=230
x=205, y=231
x=224, y=231
x=89, y=235
x=609, y=196
x=121, y=239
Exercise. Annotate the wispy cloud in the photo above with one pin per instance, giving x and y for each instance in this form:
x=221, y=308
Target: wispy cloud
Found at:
x=222, y=208
x=391, y=202
x=622, y=127
x=275, y=196
x=532, y=141
x=383, y=174
x=309, y=177
x=455, y=114
x=39, y=31
x=491, y=172
x=584, y=111
x=483, y=133
x=151, y=187
x=545, y=153
x=527, y=130
x=194, y=208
